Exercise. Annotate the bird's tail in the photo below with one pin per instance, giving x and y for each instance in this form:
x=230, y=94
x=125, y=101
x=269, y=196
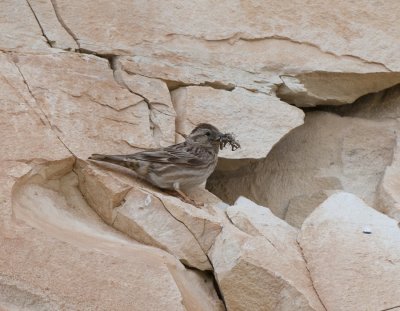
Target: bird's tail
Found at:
x=114, y=159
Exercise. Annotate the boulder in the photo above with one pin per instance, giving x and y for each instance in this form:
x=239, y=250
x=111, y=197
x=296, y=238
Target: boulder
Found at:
x=258, y=263
x=352, y=254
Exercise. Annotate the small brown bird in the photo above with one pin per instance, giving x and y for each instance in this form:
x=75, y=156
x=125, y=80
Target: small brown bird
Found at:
x=179, y=166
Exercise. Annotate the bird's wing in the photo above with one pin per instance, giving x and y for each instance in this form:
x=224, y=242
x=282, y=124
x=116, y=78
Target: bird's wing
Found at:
x=176, y=154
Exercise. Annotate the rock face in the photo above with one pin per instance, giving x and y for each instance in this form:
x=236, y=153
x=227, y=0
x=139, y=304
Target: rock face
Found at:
x=328, y=153
x=258, y=263
x=204, y=104
x=362, y=236
x=117, y=77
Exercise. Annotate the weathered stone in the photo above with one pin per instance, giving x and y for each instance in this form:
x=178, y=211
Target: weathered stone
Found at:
x=84, y=105
x=326, y=154
x=264, y=120
x=262, y=27
x=69, y=234
x=156, y=94
x=388, y=192
x=259, y=265
x=102, y=193
x=352, y=254
x=57, y=36
x=19, y=28
x=331, y=88
x=143, y=217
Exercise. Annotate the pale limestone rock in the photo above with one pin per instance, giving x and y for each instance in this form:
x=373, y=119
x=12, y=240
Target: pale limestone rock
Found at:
x=352, y=254
x=381, y=106
x=157, y=96
x=258, y=263
x=88, y=264
x=102, y=193
x=343, y=35
x=21, y=122
x=56, y=34
x=19, y=28
x=330, y=88
x=250, y=47
x=150, y=216
x=143, y=217
x=326, y=154
x=388, y=192
x=84, y=105
x=257, y=120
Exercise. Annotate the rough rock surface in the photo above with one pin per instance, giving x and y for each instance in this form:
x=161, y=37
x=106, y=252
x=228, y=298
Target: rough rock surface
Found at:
x=328, y=153
x=82, y=77
x=258, y=263
x=347, y=242
x=270, y=118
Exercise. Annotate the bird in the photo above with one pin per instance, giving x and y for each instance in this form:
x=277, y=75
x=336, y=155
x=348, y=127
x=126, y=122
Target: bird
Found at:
x=177, y=167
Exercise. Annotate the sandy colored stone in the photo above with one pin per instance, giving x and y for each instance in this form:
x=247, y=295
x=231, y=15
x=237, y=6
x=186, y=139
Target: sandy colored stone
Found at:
x=56, y=35
x=258, y=263
x=156, y=94
x=330, y=88
x=143, y=217
x=21, y=121
x=264, y=119
x=56, y=252
x=89, y=265
x=326, y=154
x=352, y=254
x=84, y=105
x=19, y=28
x=346, y=29
x=388, y=192
x=102, y=193
x=382, y=105
x=149, y=215
x=250, y=47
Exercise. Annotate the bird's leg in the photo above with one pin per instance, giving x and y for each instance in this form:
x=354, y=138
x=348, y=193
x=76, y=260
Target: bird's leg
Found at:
x=189, y=200
x=185, y=198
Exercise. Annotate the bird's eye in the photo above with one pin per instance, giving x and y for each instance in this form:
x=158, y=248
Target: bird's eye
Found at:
x=208, y=133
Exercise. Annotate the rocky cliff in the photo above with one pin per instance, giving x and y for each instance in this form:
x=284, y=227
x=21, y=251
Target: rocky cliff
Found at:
x=303, y=217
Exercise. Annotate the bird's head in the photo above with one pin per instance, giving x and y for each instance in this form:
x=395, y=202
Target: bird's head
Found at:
x=206, y=135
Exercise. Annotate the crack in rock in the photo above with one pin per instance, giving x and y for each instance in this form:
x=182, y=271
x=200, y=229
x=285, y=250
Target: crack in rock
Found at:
x=48, y=125
x=309, y=274
x=49, y=42
x=63, y=24
x=239, y=36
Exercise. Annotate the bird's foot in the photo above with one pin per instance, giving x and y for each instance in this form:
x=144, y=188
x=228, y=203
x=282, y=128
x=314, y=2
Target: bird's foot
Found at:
x=185, y=198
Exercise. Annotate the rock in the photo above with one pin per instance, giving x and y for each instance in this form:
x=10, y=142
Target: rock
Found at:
x=148, y=215
x=102, y=193
x=22, y=123
x=352, y=254
x=326, y=154
x=20, y=34
x=143, y=217
x=264, y=119
x=102, y=119
x=258, y=263
x=380, y=106
x=57, y=36
x=83, y=254
x=330, y=88
x=246, y=31
x=388, y=195
x=156, y=94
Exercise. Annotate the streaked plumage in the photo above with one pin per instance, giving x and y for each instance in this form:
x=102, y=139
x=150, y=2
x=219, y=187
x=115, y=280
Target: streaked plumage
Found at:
x=176, y=167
